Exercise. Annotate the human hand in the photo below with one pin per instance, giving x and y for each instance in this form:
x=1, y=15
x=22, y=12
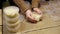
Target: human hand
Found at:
x=37, y=10
x=29, y=17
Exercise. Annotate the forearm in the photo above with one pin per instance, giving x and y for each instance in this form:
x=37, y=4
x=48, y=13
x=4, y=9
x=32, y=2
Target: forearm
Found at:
x=22, y=5
x=35, y=3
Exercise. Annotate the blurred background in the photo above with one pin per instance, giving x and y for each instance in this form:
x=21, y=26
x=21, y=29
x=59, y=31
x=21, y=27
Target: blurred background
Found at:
x=50, y=23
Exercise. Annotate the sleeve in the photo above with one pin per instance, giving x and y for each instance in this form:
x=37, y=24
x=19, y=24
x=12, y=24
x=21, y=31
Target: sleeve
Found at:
x=35, y=3
x=22, y=5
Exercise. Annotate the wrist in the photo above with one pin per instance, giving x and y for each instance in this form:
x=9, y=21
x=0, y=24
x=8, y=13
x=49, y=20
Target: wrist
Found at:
x=35, y=8
x=27, y=11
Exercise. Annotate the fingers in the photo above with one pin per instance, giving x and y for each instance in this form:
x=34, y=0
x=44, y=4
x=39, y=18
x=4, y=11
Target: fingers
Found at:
x=37, y=10
x=28, y=14
x=29, y=17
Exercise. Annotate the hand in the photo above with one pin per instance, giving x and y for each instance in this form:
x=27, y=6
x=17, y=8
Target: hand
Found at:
x=37, y=10
x=29, y=17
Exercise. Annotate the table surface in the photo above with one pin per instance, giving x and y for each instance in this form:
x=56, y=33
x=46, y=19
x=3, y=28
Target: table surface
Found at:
x=46, y=26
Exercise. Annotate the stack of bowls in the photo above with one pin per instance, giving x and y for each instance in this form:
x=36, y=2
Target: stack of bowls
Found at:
x=11, y=14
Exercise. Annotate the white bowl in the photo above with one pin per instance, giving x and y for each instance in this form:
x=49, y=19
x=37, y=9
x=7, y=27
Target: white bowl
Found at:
x=11, y=10
x=14, y=24
x=12, y=20
x=15, y=29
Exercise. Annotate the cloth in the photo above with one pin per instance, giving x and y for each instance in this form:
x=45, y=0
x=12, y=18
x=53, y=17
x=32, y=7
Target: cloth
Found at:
x=24, y=7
